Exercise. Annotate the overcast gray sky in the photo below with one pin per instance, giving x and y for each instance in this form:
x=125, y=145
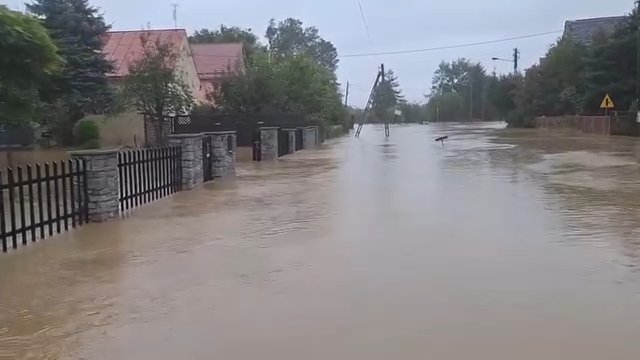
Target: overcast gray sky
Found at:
x=394, y=25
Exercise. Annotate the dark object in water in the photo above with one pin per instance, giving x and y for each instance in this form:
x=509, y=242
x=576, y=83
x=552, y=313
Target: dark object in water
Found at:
x=442, y=139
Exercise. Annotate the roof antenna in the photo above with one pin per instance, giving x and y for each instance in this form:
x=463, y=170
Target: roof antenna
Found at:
x=175, y=15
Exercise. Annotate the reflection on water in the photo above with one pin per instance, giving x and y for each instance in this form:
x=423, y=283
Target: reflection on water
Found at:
x=503, y=244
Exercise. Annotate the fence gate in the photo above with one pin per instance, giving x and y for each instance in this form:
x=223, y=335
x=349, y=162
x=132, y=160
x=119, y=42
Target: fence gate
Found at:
x=299, y=140
x=207, y=158
x=257, y=149
x=283, y=142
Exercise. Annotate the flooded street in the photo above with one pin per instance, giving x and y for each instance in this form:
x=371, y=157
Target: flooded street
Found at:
x=500, y=245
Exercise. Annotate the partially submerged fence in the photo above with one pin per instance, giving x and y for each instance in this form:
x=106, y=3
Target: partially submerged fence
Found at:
x=299, y=139
x=147, y=175
x=600, y=125
x=244, y=124
x=283, y=142
x=41, y=200
x=97, y=185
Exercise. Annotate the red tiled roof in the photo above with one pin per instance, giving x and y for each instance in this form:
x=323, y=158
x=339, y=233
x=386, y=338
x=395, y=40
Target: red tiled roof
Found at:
x=214, y=60
x=122, y=47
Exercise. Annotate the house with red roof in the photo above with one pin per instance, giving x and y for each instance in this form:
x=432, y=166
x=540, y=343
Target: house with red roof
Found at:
x=216, y=62
x=124, y=47
x=201, y=66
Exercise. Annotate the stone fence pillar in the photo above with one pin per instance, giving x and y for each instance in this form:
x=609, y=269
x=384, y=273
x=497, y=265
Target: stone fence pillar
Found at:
x=304, y=137
x=224, y=145
x=292, y=140
x=312, y=136
x=103, y=183
x=269, y=143
x=191, y=147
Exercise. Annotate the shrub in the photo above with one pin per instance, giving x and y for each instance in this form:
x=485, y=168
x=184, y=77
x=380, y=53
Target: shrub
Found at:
x=86, y=130
x=90, y=144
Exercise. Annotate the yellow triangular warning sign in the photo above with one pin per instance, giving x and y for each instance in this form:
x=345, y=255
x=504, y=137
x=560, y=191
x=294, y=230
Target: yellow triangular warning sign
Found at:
x=607, y=103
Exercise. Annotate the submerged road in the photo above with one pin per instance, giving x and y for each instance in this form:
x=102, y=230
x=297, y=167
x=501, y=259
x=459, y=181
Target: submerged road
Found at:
x=502, y=245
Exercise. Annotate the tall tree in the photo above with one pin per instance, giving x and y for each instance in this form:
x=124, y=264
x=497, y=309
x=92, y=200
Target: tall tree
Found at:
x=312, y=89
x=413, y=112
x=466, y=79
x=155, y=86
x=29, y=59
x=259, y=88
x=448, y=106
x=77, y=29
x=611, y=67
x=291, y=83
x=501, y=95
x=386, y=96
x=290, y=37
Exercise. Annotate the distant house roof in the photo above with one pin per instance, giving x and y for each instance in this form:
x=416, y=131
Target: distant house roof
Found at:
x=122, y=47
x=215, y=60
x=582, y=31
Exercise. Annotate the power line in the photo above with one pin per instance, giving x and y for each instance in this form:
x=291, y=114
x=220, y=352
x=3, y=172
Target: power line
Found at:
x=366, y=26
x=451, y=46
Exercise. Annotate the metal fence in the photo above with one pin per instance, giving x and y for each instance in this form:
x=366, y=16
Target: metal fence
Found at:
x=207, y=158
x=148, y=174
x=39, y=201
x=16, y=136
x=283, y=142
x=244, y=124
x=299, y=140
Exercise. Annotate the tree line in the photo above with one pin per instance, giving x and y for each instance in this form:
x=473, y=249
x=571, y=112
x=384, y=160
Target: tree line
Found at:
x=572, y=78
x=295, y=71
x=54, y=74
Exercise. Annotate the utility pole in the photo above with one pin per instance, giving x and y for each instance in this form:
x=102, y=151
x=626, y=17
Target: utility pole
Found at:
x=516, y=57
x=638, y=57
x=367, y=108
x=175, y=15
x=470, y=98
x=346, y=96
x=386, y=120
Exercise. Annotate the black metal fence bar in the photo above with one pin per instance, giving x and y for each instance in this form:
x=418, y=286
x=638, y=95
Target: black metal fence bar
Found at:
x=283, y=142
x=299, y=139
x=30, y=203
x=149, y=174
x=207, y=158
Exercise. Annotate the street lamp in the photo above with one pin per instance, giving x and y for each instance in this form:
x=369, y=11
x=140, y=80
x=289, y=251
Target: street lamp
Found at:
x=516, y=57
x=515, y=68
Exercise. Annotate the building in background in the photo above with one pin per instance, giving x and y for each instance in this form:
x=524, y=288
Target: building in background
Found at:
x=582, y=31
x=124, y=47
x=215, y=62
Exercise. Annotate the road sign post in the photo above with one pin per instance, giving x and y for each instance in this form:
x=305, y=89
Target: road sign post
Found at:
x=607, y=104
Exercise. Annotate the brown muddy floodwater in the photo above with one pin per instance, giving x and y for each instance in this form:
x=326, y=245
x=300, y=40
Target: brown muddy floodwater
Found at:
x=502, y=245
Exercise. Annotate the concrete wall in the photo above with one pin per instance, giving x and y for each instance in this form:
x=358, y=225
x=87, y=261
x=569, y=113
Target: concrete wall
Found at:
x=599, y=125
